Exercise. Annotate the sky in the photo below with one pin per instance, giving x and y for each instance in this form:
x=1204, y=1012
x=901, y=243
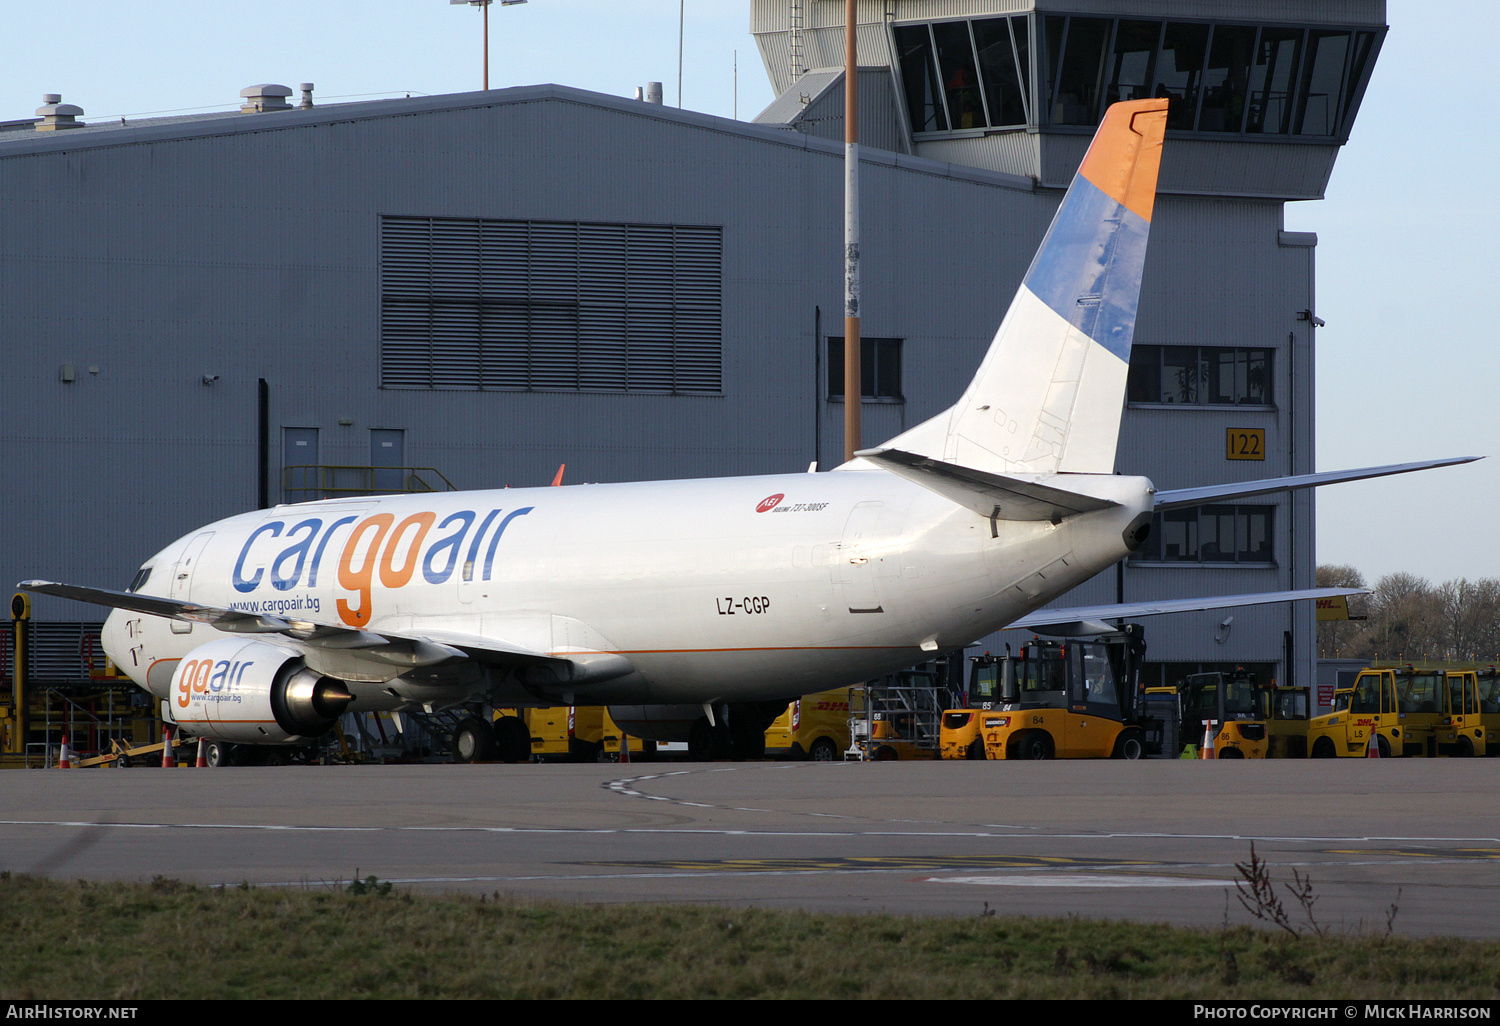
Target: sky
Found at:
x=1404, y=370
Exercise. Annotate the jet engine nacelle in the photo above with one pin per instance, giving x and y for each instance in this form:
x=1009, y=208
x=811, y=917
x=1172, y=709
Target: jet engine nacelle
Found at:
x=253, y=692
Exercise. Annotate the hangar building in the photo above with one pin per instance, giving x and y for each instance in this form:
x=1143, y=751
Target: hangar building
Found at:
x=288, y=300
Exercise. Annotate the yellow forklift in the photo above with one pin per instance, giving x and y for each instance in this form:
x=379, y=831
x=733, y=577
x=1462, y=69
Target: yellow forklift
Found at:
x=1232, y=704
x=958, y=737
x=1071, y=699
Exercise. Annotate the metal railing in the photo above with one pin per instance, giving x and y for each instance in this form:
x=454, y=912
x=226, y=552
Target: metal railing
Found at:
x=324, y=481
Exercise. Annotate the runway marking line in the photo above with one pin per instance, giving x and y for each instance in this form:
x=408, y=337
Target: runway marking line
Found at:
x=919, y=863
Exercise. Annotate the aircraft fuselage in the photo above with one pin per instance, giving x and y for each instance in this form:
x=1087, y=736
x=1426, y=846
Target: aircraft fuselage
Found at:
x=737, y=589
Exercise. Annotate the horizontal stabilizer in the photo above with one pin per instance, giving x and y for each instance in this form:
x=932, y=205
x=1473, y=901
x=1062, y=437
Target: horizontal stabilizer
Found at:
x=1179, y=497
x=1077, y=619
x=989, y=495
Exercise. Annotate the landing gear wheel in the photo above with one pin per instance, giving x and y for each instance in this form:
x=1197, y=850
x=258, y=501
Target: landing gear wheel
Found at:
x=216, y=753
x=583, y=751
x=512, y=739
x=1037, y=745
x=473, y=741
x=707, y=743
x=824, y=750
x=1130, y=745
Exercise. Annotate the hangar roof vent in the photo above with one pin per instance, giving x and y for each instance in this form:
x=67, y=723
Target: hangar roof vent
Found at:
x=57, y=115
x=264, y=97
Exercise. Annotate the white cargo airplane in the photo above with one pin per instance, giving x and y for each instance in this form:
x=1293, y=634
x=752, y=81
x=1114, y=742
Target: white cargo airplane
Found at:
x=679, y=601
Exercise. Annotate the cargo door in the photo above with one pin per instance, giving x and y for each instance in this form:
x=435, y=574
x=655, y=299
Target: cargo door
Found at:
x=182, y=577
x=860, y=559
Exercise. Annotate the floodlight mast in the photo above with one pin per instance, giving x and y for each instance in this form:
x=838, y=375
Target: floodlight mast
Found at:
x=485, y=6
x=853, y=379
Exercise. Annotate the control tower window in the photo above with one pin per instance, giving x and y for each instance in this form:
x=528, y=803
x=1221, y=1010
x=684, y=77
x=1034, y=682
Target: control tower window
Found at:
x=1225, y=81
x=956, y=62
x=1179, y=72
x=1002, y=45
x=1322, y=79
x=1076, y=99
x=1271, y=79
x=1131, y=64
x=924, y=102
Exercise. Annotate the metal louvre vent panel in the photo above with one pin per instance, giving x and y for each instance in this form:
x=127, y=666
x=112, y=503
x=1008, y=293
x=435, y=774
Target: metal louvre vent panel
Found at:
x=551, y=306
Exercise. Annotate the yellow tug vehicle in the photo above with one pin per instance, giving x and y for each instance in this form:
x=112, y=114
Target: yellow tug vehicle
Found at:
x=1371, y=708
x=1072, y=699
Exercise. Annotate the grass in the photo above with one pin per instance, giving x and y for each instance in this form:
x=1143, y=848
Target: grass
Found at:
x=168, y=939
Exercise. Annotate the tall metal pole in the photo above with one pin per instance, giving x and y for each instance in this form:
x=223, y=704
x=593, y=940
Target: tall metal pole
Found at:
x=486, y=46
x=853, y=387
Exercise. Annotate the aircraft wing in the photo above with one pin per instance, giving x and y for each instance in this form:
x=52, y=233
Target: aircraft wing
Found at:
x=1080, y=621
x=1178, y=497
x=394, y=648
x=989, y=495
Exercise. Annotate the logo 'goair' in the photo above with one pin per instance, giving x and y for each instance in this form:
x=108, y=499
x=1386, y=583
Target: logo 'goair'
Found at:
x=769, y=503
x=198, y=676
x=377, y=546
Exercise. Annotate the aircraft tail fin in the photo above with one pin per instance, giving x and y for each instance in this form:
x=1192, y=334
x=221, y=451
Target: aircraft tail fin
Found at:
x=1049, y=394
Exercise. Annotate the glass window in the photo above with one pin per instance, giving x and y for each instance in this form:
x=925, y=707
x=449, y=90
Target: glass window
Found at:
x=955, y=53
x=1020, y=30
x=1271, y=79
x=879, y=367
x=1226, y=78
x=1000, y=71
x=1420, y=692
x=1205, y=375
x=1132, y=61
x=1363, y=46
x=1040, y=669
x=976, y=73
x=1212, y=534
x=1322, y=78
x=924, y=103
x=1179, y=72
x=1080, y=71
x=1366, y=697
x=1094, y=679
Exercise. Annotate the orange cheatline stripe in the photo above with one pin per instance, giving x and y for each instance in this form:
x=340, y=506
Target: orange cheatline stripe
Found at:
x=1126, y=154
x=787, y=648
x=212, y=723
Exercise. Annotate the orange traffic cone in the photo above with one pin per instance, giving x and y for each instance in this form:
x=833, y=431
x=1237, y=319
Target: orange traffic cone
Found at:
x=624, y=747
x=1372, y=750
x=65, y=757
x=1207, y=751
x=202, y=761
x=168, y=760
